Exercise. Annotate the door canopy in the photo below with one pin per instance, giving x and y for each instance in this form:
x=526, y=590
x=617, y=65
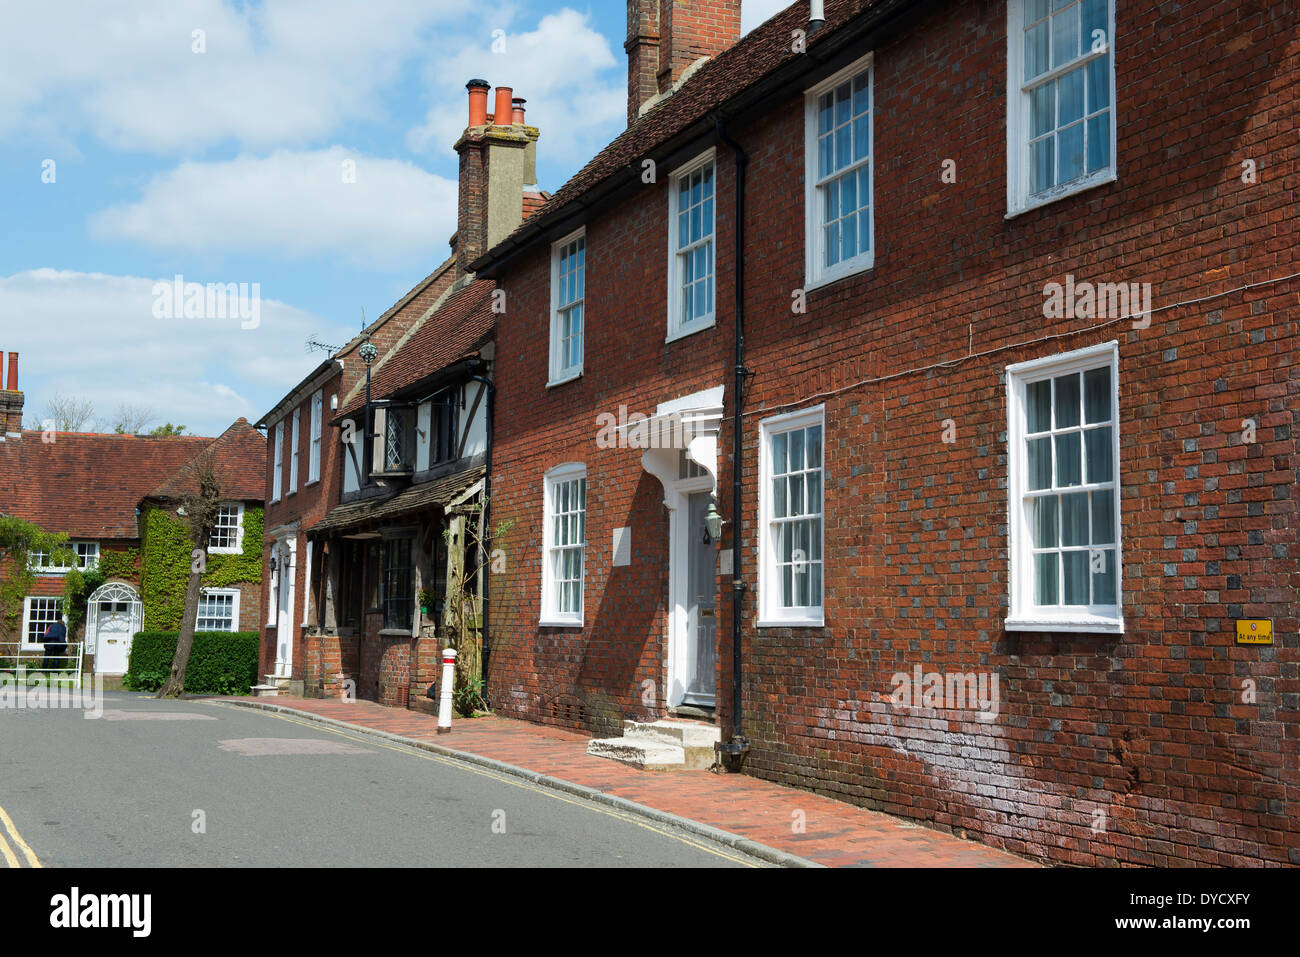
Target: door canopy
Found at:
x=688, y=425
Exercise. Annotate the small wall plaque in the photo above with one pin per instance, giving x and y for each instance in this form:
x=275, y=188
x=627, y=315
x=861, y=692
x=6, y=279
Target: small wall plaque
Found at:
x=1254, y=631
x=622, y=547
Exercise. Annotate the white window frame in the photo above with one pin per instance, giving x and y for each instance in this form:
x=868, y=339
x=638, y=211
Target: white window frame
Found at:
x=317, y=417
x=550, y=616
x=771, y=613
x=87, y=553
x=814, y=273
x=1024, y=615
x=676, y=328
x=277, y=480
x=234, y=607
x=239, y=532
x=294, y=441
x=1019, y=199
x=27, y=619
x=560, y=374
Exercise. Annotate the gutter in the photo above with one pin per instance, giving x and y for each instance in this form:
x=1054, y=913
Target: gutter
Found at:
x=738, y=744
x=846, y=43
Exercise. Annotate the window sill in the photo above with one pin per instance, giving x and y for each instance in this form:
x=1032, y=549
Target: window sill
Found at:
x=311, y=482
x=225, y=551
x=790, y=623
x=1061, y=192
x=854, y=267
x=560, y=623
x=396, y=632
x=1080, y=624
x=690, y=331
x=563, y=379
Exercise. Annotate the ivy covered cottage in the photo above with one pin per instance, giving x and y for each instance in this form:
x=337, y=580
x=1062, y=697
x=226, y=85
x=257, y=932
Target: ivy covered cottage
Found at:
x=115, y=497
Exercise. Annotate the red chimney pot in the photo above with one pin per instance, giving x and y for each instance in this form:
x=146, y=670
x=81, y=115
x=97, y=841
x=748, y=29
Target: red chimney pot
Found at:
x=478, y=91
x=517, y=111
x=501, y=115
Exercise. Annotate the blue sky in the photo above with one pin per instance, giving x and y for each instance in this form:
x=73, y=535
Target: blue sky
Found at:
x=224, y=166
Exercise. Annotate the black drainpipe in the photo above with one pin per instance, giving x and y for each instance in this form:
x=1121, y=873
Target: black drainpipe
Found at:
x=487, y=524
x=738, y=745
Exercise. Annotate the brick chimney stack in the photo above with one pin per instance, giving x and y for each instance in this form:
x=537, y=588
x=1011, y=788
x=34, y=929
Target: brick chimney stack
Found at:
x=498, y=157
x=11, y=401
x=664, y=37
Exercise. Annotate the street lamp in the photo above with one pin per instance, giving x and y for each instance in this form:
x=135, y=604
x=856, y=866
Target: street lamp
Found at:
x=368, y=352
x=713, y=523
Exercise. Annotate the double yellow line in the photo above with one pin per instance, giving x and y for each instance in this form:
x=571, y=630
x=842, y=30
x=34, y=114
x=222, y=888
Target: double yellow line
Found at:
x=14, y=839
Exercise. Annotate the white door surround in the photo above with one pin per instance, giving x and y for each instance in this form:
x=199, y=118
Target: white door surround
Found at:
x=113, y=616
x=286, y=562
x=698, y=444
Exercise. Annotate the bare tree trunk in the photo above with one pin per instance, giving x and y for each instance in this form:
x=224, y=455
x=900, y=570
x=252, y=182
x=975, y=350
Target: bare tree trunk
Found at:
x=175, y=683
x=200, y=509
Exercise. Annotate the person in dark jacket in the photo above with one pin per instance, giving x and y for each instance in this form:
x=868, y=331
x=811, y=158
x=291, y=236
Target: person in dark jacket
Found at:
x=56, y=646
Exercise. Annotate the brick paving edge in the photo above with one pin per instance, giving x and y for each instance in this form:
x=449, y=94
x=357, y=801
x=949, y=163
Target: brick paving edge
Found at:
x=752, y=848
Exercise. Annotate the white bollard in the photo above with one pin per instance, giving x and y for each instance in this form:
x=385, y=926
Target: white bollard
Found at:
x=448, y=680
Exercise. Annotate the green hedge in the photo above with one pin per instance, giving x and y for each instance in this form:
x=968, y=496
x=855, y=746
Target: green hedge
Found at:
x=221, y=662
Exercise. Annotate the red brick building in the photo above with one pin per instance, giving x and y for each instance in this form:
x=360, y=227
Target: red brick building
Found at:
x=1016, y=446
x=105, y=492
x=371, y=550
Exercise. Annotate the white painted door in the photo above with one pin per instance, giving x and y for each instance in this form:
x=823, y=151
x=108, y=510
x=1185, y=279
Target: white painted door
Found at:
x=701, y=605
x=114, y=630
x=284, y=614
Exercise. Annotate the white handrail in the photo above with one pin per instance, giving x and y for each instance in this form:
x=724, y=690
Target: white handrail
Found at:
x=22, y=661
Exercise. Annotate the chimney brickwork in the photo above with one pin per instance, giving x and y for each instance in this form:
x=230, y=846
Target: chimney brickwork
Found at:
x=498, y=158
x=664, y=37
x=11, y=400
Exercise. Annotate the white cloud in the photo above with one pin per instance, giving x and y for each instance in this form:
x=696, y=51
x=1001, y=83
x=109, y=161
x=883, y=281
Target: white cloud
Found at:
x=293, y=204
x=563, y=68
x=283, y=72
x=96, y=335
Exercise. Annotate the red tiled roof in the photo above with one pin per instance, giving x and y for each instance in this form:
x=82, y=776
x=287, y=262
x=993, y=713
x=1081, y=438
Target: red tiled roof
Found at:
x=762, y=51
x=459, y=327
x=444, y=274
x=87, y=485
x=240, y=455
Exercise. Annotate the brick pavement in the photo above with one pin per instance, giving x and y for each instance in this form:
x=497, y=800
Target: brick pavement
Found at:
x=835, y=834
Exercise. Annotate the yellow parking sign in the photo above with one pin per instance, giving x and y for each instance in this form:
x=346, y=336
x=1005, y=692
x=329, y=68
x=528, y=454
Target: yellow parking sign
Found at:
x=1254, y=631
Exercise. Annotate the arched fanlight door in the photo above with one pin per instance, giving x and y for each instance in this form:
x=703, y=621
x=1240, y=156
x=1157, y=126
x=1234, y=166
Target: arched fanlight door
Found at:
x=113, y=616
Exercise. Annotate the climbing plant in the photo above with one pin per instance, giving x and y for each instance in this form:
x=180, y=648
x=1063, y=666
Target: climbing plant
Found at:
x=480, y=553
x=165, y=565
x=120, y=563
x=77, y=587
x=18, y=539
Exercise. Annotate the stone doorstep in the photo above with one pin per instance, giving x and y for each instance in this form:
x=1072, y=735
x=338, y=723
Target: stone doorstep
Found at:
x=265, y=691
x=661, y=745
x=686, y=734
x=639, y=753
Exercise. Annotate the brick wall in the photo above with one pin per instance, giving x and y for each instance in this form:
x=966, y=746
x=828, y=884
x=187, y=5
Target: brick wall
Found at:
x=1151, y=728
x=308, y=504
